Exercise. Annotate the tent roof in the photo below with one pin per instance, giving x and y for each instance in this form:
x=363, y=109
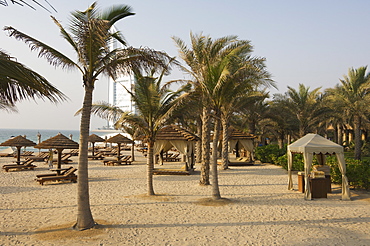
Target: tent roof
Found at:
x=58, y=142
x=235, y=134
x=93, y=138
x=314, y=143
x=175, y=133
x=18, y=141
x=119, y=138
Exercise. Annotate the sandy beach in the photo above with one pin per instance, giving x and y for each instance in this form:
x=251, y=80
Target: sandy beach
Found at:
x=260, y=210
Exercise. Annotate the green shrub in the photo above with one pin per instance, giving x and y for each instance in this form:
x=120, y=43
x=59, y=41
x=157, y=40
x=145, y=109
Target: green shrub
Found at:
x=269, y=153
x=358, y=172
x=297, y=165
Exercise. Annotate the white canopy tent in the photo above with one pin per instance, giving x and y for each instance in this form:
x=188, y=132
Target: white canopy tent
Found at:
x=313, y=144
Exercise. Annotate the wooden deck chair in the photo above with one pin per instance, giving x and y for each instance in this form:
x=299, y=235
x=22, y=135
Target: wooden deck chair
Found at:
x=53, y=174
x=68, y=175
x=27, y=165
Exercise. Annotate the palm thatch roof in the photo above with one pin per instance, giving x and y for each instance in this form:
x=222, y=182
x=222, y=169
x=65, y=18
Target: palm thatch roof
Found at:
x=174, y=132
x=18, y=141
x=235, y=134
x=58, y=142
x=93, y=138
x=119, y=138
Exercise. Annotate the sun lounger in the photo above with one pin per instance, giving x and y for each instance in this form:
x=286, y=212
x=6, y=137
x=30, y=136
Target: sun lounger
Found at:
x=53, y=174
x=68, y=175
x=124, y=161
x=27, y=165
x=40, y=157
x=25, y=153
x=97, y=156
x=64, y=159
x=74, y=152
x=174, y=157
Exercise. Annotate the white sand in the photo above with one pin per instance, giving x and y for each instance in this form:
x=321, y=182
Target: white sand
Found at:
x=262, y=212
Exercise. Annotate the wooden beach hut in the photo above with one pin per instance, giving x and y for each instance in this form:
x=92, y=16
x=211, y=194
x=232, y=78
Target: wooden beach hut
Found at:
x=179, y=138
x=241, y=141
x=60, y=143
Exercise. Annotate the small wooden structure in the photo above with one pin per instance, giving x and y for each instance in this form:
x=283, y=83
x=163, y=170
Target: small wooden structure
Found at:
x=93, y=138
x=182, y=139
x=58, y=142
x=18, y=142
x=239, y=140
x=119, y=139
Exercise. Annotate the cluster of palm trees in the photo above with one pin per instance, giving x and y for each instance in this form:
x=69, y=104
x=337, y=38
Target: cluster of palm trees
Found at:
x=343, y=109
x=226, y=86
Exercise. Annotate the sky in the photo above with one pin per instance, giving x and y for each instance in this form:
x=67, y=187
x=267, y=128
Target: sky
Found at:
x=308, y=42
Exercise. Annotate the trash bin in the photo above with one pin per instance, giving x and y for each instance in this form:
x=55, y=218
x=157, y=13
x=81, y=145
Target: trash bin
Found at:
x=301, y=182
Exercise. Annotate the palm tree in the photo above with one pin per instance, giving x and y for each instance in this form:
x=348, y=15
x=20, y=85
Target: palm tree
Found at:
x=155, y=104
x=213, y=64
x=354, y=95
x=17, y=82
x=90, y=37
x=307, y=106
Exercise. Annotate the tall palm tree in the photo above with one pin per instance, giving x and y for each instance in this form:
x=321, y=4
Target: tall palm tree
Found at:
x=307, y=106
x=212, y=64
x=18, y=82
x=353, y=93
x=155, y=103
x=90, y=37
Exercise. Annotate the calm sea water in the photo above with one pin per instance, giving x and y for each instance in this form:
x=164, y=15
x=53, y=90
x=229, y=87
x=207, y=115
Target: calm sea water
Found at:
x=31, y=134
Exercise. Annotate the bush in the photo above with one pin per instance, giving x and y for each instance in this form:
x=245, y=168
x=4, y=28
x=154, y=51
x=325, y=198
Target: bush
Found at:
x=297, y=165
x=269, y=153
x=358, y=173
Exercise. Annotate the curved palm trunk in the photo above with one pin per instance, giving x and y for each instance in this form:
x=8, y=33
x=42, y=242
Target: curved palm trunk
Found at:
x=357, y=129
x=206, y=149
x=150, y=162
x=84, y=216
x=225, y=143
x=215, y=188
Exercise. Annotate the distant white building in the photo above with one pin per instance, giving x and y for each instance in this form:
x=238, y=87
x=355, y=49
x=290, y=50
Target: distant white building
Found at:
x=117, y=94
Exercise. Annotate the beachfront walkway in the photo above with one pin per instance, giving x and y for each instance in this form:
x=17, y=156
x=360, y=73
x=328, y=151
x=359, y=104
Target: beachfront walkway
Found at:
x=262, y=212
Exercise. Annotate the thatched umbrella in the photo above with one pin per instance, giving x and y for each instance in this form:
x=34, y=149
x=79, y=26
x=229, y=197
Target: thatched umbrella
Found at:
x=93, y=138
x=18, y=142
x=119, y=139
x=58, y=142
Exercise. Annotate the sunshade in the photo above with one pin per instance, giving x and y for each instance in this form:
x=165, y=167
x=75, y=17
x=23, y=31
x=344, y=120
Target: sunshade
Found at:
x=119, y=139
x=93, y=138
x=18, y=142
x=58, y=142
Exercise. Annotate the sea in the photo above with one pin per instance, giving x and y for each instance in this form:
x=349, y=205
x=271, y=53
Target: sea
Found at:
x=32, y=134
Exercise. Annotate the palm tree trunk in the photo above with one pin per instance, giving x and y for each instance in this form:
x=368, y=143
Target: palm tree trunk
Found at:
x=206, y=149
x=357, y=129
x=84, y=216
x=215, y=188
x=133, y=150
x=199, y=143
x=225, y=143
x=150, y=162
x=340, y=134
x=281, y=137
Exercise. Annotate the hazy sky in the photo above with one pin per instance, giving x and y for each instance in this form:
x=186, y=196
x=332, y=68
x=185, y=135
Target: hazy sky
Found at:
x=310, y=42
